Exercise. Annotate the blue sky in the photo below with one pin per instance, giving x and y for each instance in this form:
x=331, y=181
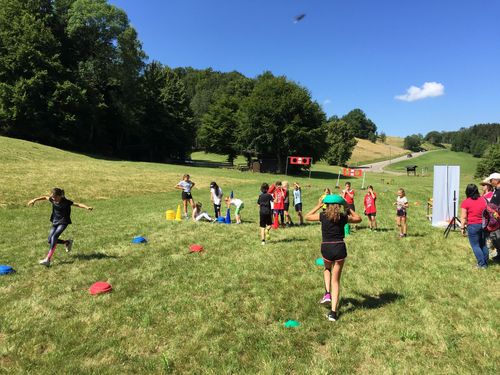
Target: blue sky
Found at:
x=349, y=53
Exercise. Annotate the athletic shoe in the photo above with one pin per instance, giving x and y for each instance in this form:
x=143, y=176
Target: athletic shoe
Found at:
x=68, y=245
x=332, y=316
x=268, y=234
x=263, y=243
x=401, y=235
x=326, y=298
x=44, y=262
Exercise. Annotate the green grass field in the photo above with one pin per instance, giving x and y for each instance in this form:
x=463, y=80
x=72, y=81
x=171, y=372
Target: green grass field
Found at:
x=415, y=305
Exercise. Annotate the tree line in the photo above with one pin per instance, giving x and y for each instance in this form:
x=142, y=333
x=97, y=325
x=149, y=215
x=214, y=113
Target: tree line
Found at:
x=73, y=74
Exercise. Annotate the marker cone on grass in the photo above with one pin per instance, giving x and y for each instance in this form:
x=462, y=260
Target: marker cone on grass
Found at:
x=178, y=216
x=228, y=216
x=276, y=223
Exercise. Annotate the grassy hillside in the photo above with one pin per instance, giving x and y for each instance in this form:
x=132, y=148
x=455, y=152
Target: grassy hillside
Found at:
x=366, y=151
x=408, y=305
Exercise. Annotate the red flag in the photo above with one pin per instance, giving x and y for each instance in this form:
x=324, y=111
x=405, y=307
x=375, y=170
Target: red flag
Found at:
x=300, y=160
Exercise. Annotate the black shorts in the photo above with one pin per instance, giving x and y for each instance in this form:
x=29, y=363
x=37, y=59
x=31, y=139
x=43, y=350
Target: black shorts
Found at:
x=401, y=212
x=298, y=207
x=333, y=251
x=371, y=215
x=266, y=220
x=287, y=206
x=351, y=206
x=186, y=196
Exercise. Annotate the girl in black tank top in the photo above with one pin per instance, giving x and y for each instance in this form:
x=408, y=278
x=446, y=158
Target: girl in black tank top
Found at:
x=333, y=249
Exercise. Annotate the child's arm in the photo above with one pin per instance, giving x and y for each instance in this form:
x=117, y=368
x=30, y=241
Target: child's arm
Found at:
x=178, y=187
x=313, y=215
x=350, y=194
x=353, y=217
x=81, y=205
x=192, y=184
x=42, y=198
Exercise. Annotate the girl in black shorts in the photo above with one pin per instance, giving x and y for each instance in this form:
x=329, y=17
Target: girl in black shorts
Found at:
x=333, y=247
x=186, y=185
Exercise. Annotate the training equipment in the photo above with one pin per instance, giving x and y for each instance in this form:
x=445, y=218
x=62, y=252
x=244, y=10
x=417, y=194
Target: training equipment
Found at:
x=221, y=220
x=291, y=324
x=178, y=216
x=320, y=262
x=333, y=199
x=195, y=248
x=170, y=215
x=445, y=193
x=299, y=160
x=139, y=239
x=100, y=287
x=276, y=223
x=228, y=216
x=5, y=270
x=347, y=230
x=231, y=195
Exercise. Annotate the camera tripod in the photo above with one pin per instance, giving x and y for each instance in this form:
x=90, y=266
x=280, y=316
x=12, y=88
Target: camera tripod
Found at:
x=453, y=222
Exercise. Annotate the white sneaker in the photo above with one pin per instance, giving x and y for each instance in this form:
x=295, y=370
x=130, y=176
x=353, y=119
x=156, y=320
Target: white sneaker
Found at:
x=44, y=262
x=68, y=245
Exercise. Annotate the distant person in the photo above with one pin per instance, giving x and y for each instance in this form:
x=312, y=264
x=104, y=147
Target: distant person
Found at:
x=238, y=203
x=265, y=212
x=371, y=208
x=326, y=192
x=494, y=179
x=348, y=195
x=199, y=214
x=401, y=212
x=60, y=218
x=216, y=197
x=333, y=248
x=186, y=185
x=297, y=201
x=288, y=219
x=276, y=190
x=472, y=220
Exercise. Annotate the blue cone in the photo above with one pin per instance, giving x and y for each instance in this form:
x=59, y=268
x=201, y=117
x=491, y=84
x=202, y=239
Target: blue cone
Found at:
x=5, y=270
x=228, y=216
x=231, y=195
x=139, y=239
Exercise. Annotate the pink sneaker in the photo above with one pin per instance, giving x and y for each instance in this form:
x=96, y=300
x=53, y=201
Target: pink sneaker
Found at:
x=326, y=298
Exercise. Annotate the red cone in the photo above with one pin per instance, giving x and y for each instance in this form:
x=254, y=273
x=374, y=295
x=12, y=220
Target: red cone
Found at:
x=100, y=287
x=195, y=248
x=276, y=223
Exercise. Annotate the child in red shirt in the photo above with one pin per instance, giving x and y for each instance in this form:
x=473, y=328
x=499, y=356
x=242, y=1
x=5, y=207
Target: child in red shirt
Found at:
x=278, y=193
x=371, y=208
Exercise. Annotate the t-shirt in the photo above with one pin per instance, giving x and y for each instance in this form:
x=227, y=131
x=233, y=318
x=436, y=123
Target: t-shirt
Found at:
x=61, y=212
x=347, y=197
x=279, y=199
x=488, y=195
x=370, y=207
x=287, y=197
x=495, y=199
x=216, y=197
x=297, y=196
x=331, y=231
x=236, y=202
x=186, y=186
x=401, y=202
x=475, y=208
x=264, y=202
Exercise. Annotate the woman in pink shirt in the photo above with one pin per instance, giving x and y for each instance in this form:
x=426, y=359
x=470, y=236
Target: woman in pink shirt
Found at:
x=472, y=219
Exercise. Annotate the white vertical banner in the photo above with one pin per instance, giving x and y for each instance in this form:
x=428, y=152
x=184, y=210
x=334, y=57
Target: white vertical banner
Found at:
x=446, y=187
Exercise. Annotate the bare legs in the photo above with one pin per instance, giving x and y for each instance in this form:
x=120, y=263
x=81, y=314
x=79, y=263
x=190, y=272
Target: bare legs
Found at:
x=331, y=276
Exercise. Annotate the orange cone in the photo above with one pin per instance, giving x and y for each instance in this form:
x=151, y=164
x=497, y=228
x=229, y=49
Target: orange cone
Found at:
x=276, y=223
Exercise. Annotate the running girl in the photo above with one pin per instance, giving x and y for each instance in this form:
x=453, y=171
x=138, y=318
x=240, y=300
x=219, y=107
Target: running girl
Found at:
x=333, y=248
x=265, y=212
x=401, y=207
x=60, y=218
x=371, y=208
x=216, y=197
x=238, y=203
x=186, y=185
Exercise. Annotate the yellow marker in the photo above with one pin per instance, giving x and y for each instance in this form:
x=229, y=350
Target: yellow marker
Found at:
x=170, y=215
x=178, y=216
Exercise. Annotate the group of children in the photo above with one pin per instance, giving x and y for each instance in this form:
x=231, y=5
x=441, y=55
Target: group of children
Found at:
x=216, y=194
x=333, y=211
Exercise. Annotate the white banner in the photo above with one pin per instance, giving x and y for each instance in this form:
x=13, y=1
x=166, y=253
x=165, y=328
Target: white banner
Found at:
x=446, y=186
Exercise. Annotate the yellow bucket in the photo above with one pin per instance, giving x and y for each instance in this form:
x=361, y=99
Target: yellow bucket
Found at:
x=170, y=215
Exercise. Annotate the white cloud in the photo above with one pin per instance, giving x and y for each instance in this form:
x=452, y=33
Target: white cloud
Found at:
x=428, y=90
x=327, y=101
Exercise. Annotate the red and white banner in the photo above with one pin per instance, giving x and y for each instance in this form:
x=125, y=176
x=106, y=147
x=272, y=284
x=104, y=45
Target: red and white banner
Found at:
x=300, y=160
x=349, y=172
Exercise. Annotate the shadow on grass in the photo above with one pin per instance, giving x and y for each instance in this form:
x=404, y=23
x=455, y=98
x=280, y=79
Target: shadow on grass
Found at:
x=88, y=257
x=369, y=302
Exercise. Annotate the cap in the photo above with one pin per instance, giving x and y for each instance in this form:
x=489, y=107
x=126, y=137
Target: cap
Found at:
x=486, y=181
x=333, y=199
x=495, y=176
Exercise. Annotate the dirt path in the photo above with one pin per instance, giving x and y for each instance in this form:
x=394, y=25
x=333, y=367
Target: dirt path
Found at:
x=379, y=166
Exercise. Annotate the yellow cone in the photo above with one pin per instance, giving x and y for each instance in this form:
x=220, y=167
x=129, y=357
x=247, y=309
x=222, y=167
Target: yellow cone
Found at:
x=170, y=215
x=178, y=216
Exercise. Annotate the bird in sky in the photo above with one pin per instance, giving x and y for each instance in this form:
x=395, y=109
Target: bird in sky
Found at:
x=299, y=18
